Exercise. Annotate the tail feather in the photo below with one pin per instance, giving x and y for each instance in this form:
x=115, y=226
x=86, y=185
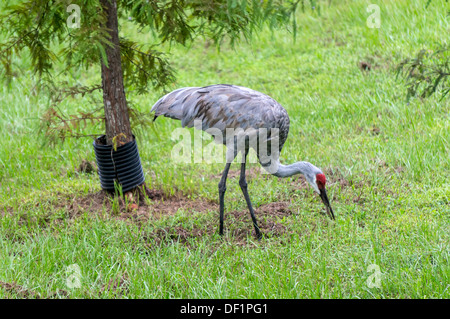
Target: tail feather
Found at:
x=171, y=104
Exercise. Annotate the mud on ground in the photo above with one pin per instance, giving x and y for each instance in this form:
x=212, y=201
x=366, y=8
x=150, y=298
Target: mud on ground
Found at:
x=238, y=224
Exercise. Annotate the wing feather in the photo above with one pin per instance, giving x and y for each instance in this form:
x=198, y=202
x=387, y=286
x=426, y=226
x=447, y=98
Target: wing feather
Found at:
x=223, y=106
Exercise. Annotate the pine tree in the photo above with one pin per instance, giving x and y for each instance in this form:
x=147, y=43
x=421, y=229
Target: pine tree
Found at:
x=63, y=35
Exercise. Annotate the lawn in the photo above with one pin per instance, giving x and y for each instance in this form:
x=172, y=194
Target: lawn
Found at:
x=386, y=161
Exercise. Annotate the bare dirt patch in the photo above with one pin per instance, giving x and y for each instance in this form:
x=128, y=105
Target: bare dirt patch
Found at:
x=269, y=218
x=238, y=226
x=157, y=205
x=364, y=66
x=170, y=205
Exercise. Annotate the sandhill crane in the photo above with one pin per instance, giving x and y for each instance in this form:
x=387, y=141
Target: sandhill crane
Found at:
x=221, y=109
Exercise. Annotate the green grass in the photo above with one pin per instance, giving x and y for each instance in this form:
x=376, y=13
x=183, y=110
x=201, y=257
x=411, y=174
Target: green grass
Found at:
x=387, y=163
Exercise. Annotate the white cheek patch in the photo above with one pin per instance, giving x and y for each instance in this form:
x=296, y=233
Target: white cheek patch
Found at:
x=314, y=185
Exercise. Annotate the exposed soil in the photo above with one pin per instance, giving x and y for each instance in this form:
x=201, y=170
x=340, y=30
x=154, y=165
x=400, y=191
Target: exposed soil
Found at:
x=237, y=224
x=170, y=205
x=154, y=204
x=159, y=205
x=365, y=66
x=268, y=216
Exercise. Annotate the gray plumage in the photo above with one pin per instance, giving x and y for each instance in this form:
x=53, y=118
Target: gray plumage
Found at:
x=225, y=106
x=219, y=107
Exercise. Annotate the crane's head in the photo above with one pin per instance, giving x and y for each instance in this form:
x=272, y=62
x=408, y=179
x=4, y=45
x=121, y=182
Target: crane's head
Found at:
x=318, y=181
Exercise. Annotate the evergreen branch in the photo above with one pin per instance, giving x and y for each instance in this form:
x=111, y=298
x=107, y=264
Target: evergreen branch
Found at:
x=426, y=72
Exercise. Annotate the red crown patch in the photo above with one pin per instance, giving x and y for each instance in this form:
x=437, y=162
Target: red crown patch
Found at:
x=321, y=180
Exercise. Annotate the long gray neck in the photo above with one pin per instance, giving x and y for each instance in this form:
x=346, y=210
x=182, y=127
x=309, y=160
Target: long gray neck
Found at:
x=304, y=168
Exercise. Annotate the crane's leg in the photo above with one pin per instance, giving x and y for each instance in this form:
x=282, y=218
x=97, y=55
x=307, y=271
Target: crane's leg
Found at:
x=243, y=184
x=222, y=189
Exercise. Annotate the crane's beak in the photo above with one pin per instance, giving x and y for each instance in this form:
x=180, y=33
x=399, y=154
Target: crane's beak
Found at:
x=323, y=195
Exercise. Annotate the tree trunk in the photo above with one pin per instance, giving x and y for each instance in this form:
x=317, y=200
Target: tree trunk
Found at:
x=117, y=121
